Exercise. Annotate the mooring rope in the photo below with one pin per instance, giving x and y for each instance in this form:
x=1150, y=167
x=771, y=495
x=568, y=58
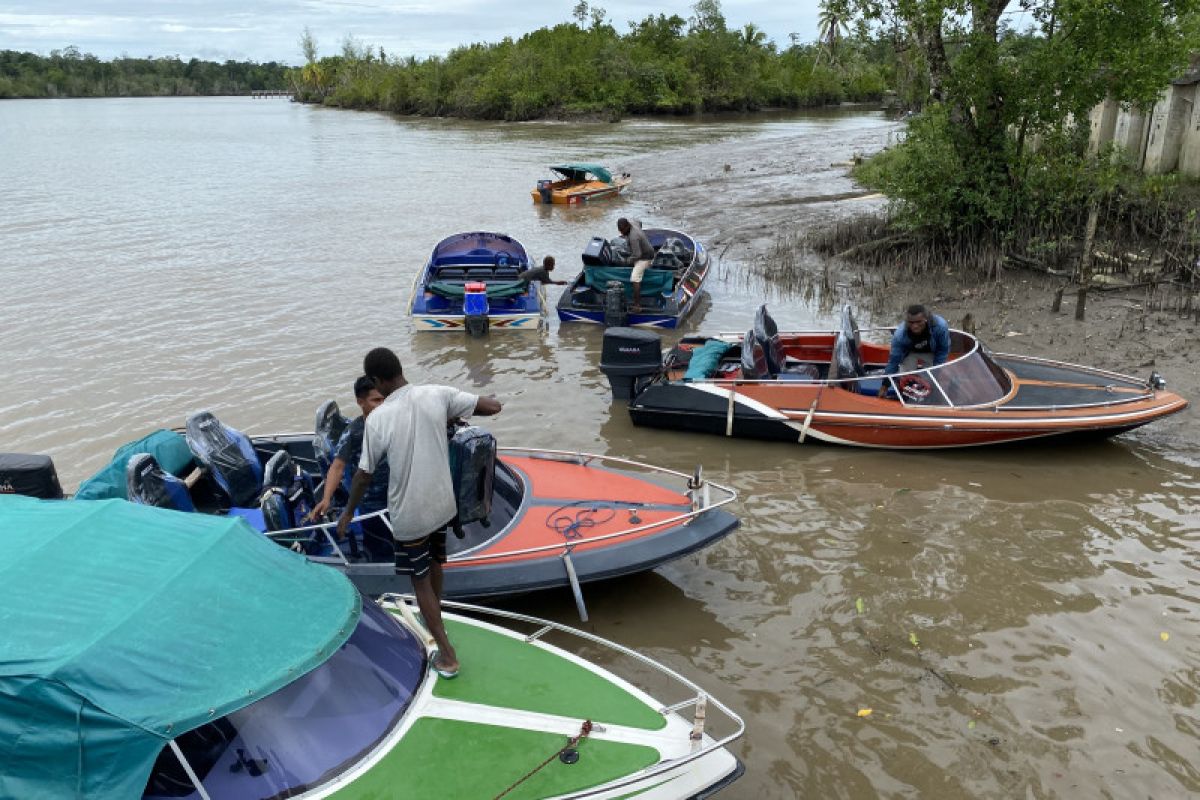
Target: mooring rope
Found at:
x=571, y=526
x=584, y=730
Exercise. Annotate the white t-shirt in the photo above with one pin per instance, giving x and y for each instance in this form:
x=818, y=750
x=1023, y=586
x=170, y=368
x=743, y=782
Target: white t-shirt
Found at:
x=409, y=428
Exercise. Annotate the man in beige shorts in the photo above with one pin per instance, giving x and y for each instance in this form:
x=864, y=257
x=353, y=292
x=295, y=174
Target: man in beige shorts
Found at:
x=641, y=253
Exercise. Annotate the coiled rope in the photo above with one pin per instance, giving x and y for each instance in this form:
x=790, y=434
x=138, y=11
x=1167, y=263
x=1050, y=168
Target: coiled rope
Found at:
x=584, y=730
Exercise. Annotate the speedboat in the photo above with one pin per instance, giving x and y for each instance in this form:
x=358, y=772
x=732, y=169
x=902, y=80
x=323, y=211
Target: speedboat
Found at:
x=471, y=282
x=602, y=292
x=164, y=655
x=579, y=183
x=557, y=519
x=829, y=386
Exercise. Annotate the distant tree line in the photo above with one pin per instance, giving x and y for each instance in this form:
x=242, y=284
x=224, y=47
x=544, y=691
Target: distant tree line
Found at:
x=70, y=73
x=663, y=64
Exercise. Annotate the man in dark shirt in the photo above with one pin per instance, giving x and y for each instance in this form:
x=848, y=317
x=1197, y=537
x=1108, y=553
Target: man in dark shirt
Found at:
x=641, y=253
x=541, y=273
x=377, y=537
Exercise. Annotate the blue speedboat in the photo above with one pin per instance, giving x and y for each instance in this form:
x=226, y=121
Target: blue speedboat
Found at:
x=471, y=283
x=602, y=292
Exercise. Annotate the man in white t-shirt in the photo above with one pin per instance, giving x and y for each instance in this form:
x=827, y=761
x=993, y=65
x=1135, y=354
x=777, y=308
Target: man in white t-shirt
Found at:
x=409, y=430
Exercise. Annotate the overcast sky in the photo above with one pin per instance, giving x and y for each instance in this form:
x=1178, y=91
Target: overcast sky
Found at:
x=269, y=30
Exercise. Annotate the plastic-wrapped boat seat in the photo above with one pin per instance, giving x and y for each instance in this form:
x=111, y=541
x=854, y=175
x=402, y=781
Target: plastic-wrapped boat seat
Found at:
x=327, y=432
x=473, y=471
x=149, y=484
x=509, y=273
x=481, y=274
x=451, y=274
x=754, y=359
x=287, y=496
x=230, y=459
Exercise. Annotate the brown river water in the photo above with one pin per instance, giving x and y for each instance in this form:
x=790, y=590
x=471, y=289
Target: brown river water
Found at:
x=1020, y=622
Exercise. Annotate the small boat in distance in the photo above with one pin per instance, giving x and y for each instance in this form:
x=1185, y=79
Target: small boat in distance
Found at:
x=198, y=661
x=579, y=183
x=602, y=292
x=829, y=386
x=471, y=283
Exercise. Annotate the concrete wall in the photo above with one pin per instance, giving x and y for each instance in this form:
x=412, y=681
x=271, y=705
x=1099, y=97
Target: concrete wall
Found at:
x=1164, y=139
x=1189, y=148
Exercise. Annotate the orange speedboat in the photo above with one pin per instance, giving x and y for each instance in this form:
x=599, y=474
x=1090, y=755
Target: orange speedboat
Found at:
x=579, y=183
x=829, y=386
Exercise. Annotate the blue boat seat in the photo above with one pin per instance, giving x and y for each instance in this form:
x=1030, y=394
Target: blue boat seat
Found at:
x=287, y=496
x=327, y=432
x=451, y=274
x=507, y=273
x=149, y=484
x=228, y=455
x=252, y=516
x=480, y=274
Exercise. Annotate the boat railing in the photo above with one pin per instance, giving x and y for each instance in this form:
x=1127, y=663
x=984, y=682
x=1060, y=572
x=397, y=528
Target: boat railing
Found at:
x=697, y=698
x=699, y=489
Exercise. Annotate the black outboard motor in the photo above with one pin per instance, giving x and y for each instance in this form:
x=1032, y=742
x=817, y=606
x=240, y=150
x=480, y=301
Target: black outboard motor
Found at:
x=32, y=476
x=598, y=253
x=630, y=358
x=616, y=314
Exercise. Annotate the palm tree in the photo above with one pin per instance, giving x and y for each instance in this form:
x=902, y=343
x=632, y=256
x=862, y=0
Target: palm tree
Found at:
x=753, y=36
x=834, y=23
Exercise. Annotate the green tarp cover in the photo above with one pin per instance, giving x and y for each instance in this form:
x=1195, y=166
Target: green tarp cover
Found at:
x=126, y=625
x=705, y=359
x=169, y=449
x=578, y=172
x=654, y=281
x=494, y=290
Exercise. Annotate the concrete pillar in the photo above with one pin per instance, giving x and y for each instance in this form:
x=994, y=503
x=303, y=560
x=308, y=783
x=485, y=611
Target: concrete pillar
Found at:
x=1189, y=147
x=1130, y=135
x=1166, y=130
x=1103, y=120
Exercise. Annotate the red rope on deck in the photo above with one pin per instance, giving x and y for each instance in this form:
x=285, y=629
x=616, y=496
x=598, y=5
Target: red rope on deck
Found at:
x=584, y=730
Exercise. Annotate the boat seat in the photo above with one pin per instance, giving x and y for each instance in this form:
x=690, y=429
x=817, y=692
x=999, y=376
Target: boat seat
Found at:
x=149, y=484
x=287, y=496
x=480, y=274
x=846, y=361
x=229, y=456
x=451, y=274
x=766, y=333
x=507, y=273
x=754, y=360
x=327, y=432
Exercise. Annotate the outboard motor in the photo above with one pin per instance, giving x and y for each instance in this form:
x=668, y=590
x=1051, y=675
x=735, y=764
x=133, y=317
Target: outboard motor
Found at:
x=598, y=253
x=545, y=191
x=630, y=359
x=475, y=307
x=32, y=476
x=616, y=314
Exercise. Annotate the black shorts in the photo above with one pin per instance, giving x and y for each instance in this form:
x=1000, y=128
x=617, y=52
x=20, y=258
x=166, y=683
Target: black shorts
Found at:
x=413, y=558
x=377, y=539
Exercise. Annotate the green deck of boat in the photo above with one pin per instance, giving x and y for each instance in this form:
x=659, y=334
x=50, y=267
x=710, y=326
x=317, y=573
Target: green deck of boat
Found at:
x=442, y=758
x=498, y=670
x=455, y=759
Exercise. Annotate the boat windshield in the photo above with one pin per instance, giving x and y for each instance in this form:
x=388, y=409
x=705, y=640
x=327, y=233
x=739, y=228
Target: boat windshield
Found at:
x=310, y=730
x=972, y=380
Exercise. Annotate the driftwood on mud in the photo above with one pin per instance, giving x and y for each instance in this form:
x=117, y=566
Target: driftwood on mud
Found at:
x=876, y=245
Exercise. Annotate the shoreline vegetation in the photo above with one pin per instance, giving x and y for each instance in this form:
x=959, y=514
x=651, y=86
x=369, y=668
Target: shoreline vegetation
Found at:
x=71, y=73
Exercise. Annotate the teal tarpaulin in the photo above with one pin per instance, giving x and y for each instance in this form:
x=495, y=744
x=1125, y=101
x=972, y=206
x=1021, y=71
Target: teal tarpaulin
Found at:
x=125, y=626
x=495, y=290
x=579, y=172
x=169, y=449
x=654, y=281
x=705, y=359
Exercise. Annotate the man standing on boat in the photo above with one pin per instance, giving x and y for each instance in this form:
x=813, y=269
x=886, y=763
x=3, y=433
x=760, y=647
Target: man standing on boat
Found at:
x=922, y=341
x=641, y=253
x=409, y=430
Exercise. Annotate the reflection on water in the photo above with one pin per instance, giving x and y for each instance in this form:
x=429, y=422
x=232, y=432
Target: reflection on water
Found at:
x=1000, y=612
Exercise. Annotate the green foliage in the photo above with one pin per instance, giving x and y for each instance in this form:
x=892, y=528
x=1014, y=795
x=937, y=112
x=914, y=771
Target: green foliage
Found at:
x=69, y=73
x=662, y=65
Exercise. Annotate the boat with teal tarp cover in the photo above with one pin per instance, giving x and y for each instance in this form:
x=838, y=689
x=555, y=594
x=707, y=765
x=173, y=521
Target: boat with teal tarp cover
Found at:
x=579, y=183
x=165, y=655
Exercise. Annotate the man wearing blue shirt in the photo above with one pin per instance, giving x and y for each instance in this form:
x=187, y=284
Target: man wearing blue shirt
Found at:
x=923, y=335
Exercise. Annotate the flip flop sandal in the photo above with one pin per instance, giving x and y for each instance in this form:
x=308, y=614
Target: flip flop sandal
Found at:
x=448, y=674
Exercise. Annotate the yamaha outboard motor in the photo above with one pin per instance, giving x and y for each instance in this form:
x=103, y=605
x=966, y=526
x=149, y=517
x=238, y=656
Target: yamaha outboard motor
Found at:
x=616, y=313
x=32, y=476
x=475, y=307
x=631, y=358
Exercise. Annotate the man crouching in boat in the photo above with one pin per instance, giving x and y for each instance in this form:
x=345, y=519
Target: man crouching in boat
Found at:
x=923, y=340
x=409, y=430
x=377, y=537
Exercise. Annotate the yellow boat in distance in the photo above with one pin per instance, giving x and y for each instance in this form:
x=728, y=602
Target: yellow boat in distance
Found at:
x=579, y=183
